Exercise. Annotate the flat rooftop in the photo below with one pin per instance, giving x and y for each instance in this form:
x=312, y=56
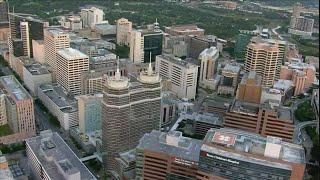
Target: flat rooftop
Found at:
x=55, y=31
x=184, y=28
x=232, y=68
x=185, y=148
x=176, y=60
x=253, y=148
x=71, y=54
x=209, y=118
x=60, y=97
x=12, y=86
x=37, y=69
x=51, y=145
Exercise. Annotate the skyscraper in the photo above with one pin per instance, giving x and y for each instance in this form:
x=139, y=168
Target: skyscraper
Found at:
x=209, y=61
x=24, y=31
x=129, y=110
x=123, y=28
x=54, y=40
x=265, y=57
x=70, y=65
x=91, y=16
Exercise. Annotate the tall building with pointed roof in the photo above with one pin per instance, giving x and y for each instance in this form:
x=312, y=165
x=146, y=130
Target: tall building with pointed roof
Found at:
x=130, y=108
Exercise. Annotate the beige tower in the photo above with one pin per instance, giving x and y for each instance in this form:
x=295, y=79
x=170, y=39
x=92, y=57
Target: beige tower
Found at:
x=70, y=65
x=264, y=59
x=24, y=30
x=123, y=28
x=54, y=39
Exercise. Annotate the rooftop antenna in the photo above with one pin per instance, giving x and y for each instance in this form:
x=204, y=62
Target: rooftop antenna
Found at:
x=118, y=75
x=150, y=67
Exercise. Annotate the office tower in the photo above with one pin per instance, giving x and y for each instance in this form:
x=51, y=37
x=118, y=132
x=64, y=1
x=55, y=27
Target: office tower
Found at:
x=167, y=156
x=229, y=79
x=38, y=51
x=143, y=42
x=299, y=80
x=91, y=16
x=265, y=119
x=309, y=71
x=3, y=113
x=300, y=25
x=89, y=108
x=70, y=65
x=50, y=157
x=209, y=61
x=18, y=32
x=233, y=154
x=182, y=74
x=184, y=30
x=19, y=107
x=129, y=110
x=198, y=44
x=60, y=104
x=3, y=12
x=54, y=40
x=24, y=31
x=123, y=28
x=72, y=22
x=250, y=88
x=264, y=58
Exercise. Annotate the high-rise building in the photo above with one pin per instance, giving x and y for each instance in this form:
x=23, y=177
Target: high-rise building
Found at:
x=300, y=25
x=229, y=79
x=38, y=51
x=89, y=108
x=129, y=110
x=19, y=107
x=24, y=28
x=70, y=65
x=123, y=28
x=265, y=58
x=209, y=62
x=182, y=74
x=167, y=156
x=91, y=16
x=3, y=113
x=250, y=88
x=265, y=119
x=50, y=157
x=299, y=80
x=234, y=154
x=54, y=40
x=198, y=44
x=3, y=12
x=144, y=42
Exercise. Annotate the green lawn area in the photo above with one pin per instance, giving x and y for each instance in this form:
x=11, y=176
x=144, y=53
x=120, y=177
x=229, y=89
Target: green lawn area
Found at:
x=304, y=112
x=5, y=130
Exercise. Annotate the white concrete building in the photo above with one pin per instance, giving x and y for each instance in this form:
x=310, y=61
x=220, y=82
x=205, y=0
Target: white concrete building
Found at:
x=182, y=74
x=209, y=62
x=136, y=47
x=71, y=22
x=55, y=99
x=91, y=16
x=34, y=75
x=70, y=64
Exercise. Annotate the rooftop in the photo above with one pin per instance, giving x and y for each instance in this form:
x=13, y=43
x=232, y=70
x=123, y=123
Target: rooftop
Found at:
x=71, y=54
x=60, y=97
x=251, y=147
x=12, y=86
x=171, y=143
x=51, y=151
x=185, y=28
x=232, y=68
x=252, y=77
x=283, y=84
x=37, y=69
x=209, y=118
x=55, y=31
x=171, y=58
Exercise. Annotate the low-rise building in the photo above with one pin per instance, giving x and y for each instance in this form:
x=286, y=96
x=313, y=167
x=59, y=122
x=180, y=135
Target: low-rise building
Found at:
x=235, y=154
x=184, y=30
x=50, y=157
x=71, y=22
x=34, y=75
x=167, y=156
x=61, y=104
x=265, y=119
x=5, y=172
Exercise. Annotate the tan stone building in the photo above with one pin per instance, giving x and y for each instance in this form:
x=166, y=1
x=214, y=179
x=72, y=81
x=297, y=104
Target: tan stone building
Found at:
x=250, y=88
x=124, y=26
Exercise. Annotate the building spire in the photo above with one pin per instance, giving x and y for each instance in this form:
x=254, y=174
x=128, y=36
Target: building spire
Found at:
x=118, y=74
x=150, y=71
